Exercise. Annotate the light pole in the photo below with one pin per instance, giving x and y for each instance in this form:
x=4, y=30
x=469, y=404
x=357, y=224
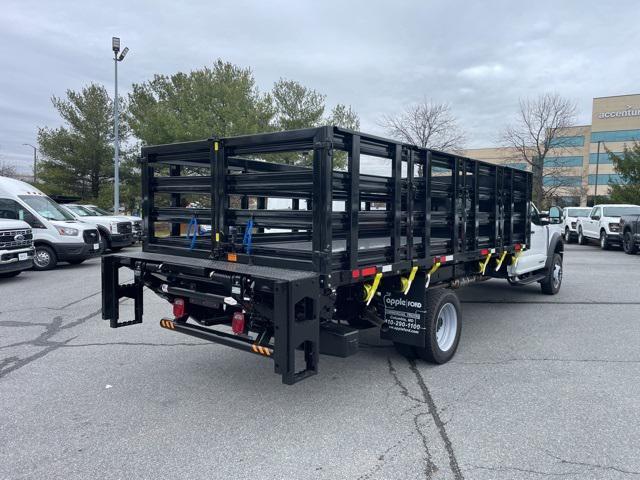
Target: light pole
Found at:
x=35, y=159
x=115, y=45
x=595, y=193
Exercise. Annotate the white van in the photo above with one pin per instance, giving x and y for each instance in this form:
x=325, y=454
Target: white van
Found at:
x=57, y=236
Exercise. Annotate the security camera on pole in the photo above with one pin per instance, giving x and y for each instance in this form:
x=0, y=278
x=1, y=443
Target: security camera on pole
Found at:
x=115, y=44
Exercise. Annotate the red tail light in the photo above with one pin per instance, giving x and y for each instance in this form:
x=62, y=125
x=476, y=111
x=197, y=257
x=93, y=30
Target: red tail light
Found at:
x=237, y=323
x=179, y=309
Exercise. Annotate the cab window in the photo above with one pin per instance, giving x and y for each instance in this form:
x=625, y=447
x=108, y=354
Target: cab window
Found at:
x=14, y=211
x=595, y=213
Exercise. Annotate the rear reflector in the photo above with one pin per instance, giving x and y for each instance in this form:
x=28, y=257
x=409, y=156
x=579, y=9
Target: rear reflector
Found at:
x=484, y=252
x=178, y=308
x=237, y=323
x=517, y=247
x=232, y=257
x=355, y=273
x=369, y=271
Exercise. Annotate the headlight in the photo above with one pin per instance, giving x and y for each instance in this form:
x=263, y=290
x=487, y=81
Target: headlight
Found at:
x=614, y=227
x=114, y=227
x=71, y=232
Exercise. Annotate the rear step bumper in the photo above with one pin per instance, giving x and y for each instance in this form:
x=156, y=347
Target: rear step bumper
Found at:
x=294, y=306
x=217, y=336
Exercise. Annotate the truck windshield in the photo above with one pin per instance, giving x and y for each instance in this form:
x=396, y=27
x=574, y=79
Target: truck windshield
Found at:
x=46, y=207
x=98, y=210
x=578, y=212
x=80, y=210
x=620, y=211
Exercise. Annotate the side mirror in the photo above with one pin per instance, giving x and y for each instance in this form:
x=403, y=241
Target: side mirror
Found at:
x=555, y=215
x=595, y=217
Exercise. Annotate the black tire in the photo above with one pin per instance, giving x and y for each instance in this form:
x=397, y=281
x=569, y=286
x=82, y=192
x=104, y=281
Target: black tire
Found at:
x=44, y=258
x=604, y=243
x=582, y=240
x=628, y=244
x=104, y=243
x=76, y=261
x=567, y=235
x=553, y=281
x=10, y=274
x=440, y=301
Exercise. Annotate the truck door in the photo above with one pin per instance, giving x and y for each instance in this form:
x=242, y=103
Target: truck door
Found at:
x=593, y=223
x=534, y=258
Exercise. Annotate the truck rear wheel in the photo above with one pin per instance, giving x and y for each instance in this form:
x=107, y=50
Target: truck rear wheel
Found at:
x=443, y=326
x=553, y=281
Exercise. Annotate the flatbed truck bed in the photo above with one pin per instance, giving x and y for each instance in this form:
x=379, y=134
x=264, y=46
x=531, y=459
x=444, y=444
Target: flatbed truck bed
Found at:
x=350, y=251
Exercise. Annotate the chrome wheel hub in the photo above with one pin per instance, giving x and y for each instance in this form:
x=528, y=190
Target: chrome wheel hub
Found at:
x=446, y=326
x=42, y=258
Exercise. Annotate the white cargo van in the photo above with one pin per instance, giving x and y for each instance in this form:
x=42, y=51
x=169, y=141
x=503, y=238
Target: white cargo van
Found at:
x=57, y=236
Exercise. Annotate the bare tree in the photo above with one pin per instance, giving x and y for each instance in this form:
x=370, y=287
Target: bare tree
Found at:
x=426, y=124
x=7, y=170
x=538, y=130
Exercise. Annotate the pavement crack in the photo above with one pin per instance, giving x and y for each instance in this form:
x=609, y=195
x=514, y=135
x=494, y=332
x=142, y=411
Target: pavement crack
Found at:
x=524, y=470
x=440, y=425
x=430, y=468
x=592, y=465
x=43, y=340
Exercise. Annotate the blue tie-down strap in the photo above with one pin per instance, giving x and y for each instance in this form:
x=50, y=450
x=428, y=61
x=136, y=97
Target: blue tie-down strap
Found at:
x=246, y=241
x=192, y=223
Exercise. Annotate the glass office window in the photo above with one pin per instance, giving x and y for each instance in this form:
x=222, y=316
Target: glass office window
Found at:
x=616, y=136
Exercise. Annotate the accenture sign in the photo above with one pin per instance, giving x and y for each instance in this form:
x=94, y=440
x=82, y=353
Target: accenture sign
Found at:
x=628, y=112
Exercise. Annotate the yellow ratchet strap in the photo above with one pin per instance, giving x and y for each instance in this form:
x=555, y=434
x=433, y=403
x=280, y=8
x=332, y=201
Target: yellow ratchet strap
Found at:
x=483, y=265
x=500, y=260
x=372, y=291
x=412, y=275
x=435, y=267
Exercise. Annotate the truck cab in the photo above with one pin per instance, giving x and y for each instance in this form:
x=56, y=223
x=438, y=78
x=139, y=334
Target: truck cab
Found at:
x=116, y=232
x=57, y=235
x=603, y=224
x=542, y=262
x=16, y=247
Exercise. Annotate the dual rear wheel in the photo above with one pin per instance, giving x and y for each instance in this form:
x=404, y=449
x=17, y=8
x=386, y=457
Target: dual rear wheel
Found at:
x=443, y=324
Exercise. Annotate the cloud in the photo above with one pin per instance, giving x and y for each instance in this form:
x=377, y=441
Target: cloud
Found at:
x=374, y=55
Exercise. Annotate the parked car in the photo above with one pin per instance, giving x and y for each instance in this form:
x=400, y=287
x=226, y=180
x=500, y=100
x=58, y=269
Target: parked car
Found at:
x=16, y=247
x=570, y=216
x=630, y=230
x=135, y=221
x=603, y=224
x=116, y=232
x=57, y=235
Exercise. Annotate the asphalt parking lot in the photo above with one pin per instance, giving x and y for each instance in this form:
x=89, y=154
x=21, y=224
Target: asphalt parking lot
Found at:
x=540, y=387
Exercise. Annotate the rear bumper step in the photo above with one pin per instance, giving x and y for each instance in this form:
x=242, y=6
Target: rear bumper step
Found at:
x=217, y=336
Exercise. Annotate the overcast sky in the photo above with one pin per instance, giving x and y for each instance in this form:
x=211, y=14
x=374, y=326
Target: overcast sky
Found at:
x=377, y=56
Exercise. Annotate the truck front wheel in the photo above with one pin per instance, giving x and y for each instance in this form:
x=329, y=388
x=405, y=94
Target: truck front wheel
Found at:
x=553, y=281
x=604, y=243
x=581, y=239
x=628, y=244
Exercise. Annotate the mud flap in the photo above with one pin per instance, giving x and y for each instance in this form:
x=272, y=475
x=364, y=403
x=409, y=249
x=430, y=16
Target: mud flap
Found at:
x=405, y=315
